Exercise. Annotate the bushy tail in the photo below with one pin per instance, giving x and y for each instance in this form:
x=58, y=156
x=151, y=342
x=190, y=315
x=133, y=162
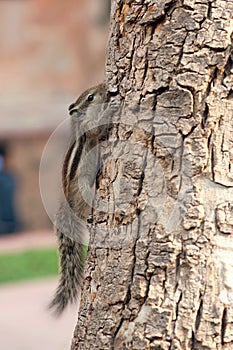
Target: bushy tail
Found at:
x=72, y=259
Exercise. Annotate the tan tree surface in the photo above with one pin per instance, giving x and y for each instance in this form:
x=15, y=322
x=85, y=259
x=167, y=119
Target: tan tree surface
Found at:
x=159, y=273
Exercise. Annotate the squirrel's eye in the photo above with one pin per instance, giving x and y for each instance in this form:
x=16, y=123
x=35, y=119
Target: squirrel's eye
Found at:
x=90, y=97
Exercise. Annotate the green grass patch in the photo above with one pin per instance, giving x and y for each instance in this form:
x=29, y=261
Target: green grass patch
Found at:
x=28, y=264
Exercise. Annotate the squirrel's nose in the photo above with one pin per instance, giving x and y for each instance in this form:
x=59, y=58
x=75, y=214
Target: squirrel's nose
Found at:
x=71, y=106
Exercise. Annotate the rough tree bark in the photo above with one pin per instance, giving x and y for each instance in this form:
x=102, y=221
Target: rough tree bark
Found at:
x=159, y=273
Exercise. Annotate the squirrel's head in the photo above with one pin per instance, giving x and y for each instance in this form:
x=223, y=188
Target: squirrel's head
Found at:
x=95, y=96
x=88, y=112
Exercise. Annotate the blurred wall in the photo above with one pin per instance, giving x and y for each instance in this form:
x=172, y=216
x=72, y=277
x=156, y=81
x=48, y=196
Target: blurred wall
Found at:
x=51, y=45
x=50, y=50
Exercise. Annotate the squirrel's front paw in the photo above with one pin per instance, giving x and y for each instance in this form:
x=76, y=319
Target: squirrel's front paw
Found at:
x=90, y=219
x=114, y=105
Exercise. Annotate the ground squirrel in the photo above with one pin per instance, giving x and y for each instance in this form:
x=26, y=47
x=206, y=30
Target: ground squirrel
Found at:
x=89, y=120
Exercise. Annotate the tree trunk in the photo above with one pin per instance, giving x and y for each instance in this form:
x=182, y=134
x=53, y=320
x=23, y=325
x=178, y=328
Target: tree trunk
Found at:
x=159, y=273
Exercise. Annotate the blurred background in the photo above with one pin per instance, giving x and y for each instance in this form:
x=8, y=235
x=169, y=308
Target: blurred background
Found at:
x=50, y=51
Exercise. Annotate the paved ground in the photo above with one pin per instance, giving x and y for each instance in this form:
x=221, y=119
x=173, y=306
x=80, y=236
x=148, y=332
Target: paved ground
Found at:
x=25, y=322
x=27, y=240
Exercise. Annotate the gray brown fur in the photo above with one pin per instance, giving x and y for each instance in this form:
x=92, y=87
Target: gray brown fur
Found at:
x=78, y=177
